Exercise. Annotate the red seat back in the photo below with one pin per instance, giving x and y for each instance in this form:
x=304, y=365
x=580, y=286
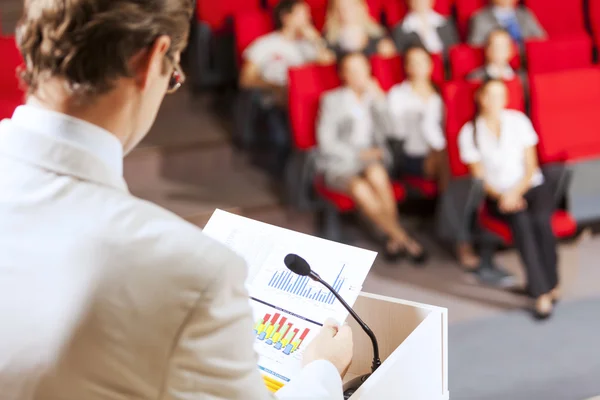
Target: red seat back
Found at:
x=464, y=11
x=306, y=84
x=396, y=10
x=11, y=60
x=215, y=12
x=564, y=111
x=459, y=97
x=558, y=54
x=464, y=59
x=390, y=71
x=559, y=17
x=249, y=26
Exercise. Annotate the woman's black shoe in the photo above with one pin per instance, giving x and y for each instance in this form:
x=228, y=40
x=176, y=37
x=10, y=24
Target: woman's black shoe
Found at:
x=539, y=316
x=418, y=259
x=394, y=256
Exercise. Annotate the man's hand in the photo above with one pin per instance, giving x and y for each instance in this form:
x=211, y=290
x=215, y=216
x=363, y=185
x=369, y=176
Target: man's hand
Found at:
x=333, y=344
x=374, y=154
x=512, y=202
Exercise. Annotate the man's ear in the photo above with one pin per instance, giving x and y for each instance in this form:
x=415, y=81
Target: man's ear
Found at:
x=150, y=64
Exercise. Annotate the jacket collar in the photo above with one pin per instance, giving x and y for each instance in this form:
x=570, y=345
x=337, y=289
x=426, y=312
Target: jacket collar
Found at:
x=53, y=151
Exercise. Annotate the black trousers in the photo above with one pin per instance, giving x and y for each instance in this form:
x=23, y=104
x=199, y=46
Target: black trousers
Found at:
x=534, y=238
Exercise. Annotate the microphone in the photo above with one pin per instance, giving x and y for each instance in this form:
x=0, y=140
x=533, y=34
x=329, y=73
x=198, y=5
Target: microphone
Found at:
x=299, y=266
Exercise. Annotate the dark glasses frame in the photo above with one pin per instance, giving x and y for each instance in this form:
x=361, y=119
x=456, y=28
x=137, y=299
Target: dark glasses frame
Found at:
x=177, y=78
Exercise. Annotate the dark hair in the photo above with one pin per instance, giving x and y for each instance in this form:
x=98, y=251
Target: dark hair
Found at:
x=484, y=84
x=420, y=47
x=345, y=56
x=89, y=43
x=414, y=47
x=493, y=32
x=283, y=8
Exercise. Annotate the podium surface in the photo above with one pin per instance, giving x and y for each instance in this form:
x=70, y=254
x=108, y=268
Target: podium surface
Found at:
x=413, y=347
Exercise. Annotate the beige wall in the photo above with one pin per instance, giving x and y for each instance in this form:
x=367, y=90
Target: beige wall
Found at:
x=10, y=12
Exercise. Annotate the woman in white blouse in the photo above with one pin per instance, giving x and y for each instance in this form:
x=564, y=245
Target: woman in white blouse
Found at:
x=417, y=113
x=500, y=148
x=425, y=27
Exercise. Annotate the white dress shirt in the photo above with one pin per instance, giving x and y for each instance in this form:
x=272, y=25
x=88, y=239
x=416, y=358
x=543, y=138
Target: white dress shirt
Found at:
x=104, y=296
x=416, y=121
x=426, y=29
x=503, y=157
x=505, y=73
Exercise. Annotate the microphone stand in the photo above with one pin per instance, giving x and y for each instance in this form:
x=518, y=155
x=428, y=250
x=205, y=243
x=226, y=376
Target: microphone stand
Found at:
x=353, y=385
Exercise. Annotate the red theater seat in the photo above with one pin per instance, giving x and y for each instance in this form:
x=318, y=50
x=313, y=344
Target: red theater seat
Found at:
x=248, y=27
x=559, y=54
x=564, y=112
x=215, y=13
x=464, y=59
x=344, y=203
x=559, y=18
x=464, y=11
x=460, y=109
x=11, y=94
x=563, y=225
x=390, y=71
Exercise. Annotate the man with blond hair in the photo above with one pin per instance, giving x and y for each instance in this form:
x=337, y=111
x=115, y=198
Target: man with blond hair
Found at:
x=102, y=295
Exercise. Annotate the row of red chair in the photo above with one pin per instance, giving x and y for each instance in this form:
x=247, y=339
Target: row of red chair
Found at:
x=564, y=109
x=558, y=17
x=542, y=55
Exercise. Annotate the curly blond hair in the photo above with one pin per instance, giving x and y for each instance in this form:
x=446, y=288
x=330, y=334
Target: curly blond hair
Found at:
x=89, y=43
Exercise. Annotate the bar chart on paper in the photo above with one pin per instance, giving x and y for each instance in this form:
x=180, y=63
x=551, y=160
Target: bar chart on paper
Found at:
x=301, y=286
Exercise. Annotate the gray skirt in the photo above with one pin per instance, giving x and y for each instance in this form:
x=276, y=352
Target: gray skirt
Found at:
x=339, y=179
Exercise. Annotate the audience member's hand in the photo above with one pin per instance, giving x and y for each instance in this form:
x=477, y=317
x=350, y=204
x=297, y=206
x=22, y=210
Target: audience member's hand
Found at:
x=333, y=344
x=512, y=202
x=374, y=154
x=311, y=33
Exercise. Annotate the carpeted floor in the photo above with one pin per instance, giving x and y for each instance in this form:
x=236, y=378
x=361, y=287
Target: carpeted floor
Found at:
x=511, y=357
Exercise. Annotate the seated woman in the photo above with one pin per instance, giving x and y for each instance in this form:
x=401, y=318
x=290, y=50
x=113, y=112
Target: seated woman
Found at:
x=499, y=51
x=425, y=27
x=353, y=156
x=350, y=28
x=417, y=113
x=500, y=148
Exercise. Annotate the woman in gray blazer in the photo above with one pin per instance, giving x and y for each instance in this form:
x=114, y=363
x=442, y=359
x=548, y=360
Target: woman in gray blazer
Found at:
x=424, y=27
x=353, y=154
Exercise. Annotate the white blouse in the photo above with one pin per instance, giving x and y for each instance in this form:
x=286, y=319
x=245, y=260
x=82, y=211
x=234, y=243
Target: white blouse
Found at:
x=503, y=157
x=427, y=30
x=416, y=121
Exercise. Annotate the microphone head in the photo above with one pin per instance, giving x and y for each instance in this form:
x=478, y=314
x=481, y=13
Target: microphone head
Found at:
x=297, y=264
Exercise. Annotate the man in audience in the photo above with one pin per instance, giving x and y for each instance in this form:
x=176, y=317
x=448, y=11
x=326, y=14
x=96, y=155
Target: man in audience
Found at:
x=266, y=62
x=499, y=50
x=103, y=295
x=518, y=21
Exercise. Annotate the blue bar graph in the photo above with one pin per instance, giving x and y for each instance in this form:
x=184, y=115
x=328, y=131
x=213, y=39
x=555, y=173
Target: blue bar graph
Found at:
x=288, y=282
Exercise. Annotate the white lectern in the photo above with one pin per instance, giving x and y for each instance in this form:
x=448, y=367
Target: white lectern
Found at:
x=413, y=347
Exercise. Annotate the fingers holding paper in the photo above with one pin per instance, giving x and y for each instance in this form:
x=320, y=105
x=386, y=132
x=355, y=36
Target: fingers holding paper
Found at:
x=334, y=344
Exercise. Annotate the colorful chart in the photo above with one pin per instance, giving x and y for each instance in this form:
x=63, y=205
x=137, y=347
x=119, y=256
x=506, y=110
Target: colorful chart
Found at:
x=289, y=282
x=275, y=331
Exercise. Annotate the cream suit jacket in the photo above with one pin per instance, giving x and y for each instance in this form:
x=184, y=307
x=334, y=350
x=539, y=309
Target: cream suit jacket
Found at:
x=108, y=297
